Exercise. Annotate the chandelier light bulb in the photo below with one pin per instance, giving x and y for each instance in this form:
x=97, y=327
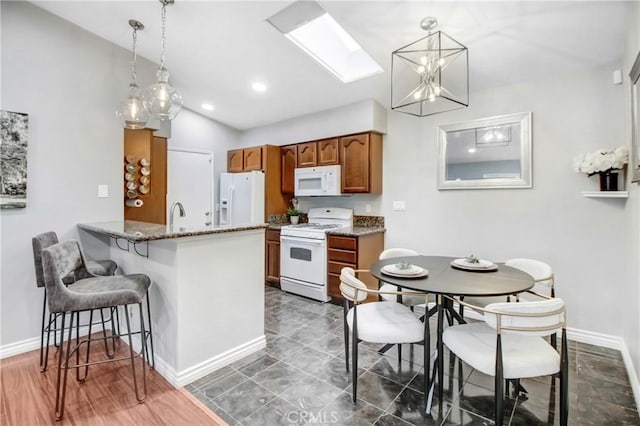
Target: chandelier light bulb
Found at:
x=421, y=69
x=423, y=60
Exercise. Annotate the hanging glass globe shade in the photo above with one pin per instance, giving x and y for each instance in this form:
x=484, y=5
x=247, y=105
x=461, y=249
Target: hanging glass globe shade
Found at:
x=160, y=99
x=131, y=111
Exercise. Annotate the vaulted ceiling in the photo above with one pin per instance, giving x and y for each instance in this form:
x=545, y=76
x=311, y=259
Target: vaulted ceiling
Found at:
x=216, y=49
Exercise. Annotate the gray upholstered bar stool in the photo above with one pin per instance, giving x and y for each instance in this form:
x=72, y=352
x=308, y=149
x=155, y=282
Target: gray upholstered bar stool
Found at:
x=87, y=293
x=100, y=267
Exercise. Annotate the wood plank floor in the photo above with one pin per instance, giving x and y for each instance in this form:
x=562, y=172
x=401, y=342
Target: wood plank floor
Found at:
x=27, y=396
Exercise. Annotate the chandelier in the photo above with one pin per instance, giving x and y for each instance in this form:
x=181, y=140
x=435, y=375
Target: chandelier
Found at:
x=431, y=75
x=160, y=99
x=131, y=111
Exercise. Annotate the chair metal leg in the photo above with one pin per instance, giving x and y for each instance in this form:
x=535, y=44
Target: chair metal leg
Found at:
x=440, y=351
x=145, y=354
x=345, y=308
x=86, y=359
x=399, y=352
x=104, y=335
x=564, y=381
x=153, y=355
x=61, y=388
x=354, y=357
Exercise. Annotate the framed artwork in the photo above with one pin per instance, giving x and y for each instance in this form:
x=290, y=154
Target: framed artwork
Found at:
x=14, y=136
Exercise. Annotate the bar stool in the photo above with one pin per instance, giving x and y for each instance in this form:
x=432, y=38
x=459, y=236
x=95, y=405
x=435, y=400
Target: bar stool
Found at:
x=87, y=293
x=100, y=267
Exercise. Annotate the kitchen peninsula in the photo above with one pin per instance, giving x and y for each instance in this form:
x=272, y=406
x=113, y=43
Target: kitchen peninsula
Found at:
x=207, y=294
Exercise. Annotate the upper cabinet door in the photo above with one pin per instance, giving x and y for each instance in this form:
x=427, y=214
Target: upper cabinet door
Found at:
x=307, y=154
x=289, y=160
x=253, y=158
x=328, y=153
x=354, y=151
x=235, y=161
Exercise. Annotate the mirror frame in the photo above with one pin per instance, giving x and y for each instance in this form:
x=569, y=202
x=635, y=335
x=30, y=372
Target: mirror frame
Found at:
x=634, y=159
x=525, y=179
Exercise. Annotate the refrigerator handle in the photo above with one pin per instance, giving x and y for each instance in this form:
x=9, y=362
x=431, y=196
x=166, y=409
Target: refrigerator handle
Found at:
x=230, y=209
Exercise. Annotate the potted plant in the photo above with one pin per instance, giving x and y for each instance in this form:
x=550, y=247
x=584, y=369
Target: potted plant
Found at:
x=604, y=162
x=293, y=212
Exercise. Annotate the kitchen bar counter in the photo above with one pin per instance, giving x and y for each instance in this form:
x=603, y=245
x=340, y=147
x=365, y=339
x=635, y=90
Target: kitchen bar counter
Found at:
x=134, y=231
x=207, y=292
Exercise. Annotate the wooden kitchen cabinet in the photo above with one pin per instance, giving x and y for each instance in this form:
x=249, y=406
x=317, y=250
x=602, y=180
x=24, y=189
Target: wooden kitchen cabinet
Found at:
x=328, y=152
x=361, y=160
x=252, y=158
x=139, y=144
x=235, y=161
x=289, y=160
x=272, y=261
x=354, y=252
x=307, y=154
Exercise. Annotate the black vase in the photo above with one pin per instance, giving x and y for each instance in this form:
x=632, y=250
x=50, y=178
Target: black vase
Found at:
x=608, y=181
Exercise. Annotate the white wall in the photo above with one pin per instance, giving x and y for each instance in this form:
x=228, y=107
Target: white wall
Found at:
x=70, y=82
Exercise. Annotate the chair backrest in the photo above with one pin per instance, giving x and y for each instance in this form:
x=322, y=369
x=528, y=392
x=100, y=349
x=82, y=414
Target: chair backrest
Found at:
x=39, y=243
x=540, y=271
x=58, y=261
x=540, y=317
x=396, y=252
x=351, y=287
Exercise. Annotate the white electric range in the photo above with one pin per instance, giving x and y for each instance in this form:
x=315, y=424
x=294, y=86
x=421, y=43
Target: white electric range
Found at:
x=303, y=252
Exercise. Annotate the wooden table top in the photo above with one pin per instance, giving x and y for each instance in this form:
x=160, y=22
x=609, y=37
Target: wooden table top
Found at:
x=444, y=279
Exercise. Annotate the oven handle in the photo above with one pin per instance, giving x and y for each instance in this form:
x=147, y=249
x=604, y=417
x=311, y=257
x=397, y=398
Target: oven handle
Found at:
x=307, y=241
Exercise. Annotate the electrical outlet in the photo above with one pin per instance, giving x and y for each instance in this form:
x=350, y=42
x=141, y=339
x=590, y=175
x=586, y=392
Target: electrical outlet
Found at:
x=399, y=205
x=103, y=191
x=367, y=208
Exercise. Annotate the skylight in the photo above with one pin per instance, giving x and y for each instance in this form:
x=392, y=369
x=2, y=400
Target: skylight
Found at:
x=321, y=37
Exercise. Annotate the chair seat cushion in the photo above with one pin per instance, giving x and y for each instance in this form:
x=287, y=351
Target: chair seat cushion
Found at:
x=100, y=292
x=386, y=322
x=406, y=300
x=522, y=356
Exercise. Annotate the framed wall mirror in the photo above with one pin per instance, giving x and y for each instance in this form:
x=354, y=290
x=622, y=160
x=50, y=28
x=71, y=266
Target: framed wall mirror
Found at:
x=635, y=120
x=492, y=152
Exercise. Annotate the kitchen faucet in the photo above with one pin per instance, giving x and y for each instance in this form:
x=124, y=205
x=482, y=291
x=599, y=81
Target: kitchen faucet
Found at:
x=180, y=207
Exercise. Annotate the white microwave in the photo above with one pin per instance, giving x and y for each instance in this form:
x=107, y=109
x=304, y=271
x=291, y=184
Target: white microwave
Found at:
x=317, y=181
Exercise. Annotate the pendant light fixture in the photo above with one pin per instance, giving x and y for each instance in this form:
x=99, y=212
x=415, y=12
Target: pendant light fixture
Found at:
x=160, y=99
x=131, y=112
x=431, y=75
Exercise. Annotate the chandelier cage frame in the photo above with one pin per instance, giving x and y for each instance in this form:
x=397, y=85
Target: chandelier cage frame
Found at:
x=451, y=76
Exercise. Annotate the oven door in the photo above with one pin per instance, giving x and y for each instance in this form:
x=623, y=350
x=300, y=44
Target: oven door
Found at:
x=303, y=259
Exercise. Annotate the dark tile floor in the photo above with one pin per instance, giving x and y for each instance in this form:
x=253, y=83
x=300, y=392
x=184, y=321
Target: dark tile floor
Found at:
x=300, y=378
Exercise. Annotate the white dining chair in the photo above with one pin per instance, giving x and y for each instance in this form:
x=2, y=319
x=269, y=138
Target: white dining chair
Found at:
x=378, y=322
x=510, y=345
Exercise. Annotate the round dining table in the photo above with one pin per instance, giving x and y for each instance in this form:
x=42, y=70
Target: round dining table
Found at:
x=443, y=279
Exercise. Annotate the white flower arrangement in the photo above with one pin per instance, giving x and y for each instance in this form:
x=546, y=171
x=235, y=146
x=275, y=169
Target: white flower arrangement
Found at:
x=602, y=160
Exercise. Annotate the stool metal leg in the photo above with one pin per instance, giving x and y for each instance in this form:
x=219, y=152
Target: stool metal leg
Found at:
x=104, y=335
x=43, y=359
x=86, y=360
x=132, y=357
x=61, y=393
x=153, y=355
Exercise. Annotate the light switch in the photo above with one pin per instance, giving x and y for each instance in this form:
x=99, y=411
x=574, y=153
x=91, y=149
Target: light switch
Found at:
x=398, y=205
x=103, y=191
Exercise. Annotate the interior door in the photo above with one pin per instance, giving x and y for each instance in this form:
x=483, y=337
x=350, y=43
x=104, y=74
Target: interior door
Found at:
x=190, y=181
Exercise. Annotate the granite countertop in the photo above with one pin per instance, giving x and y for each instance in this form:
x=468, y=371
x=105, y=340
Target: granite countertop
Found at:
x=357, y=231
x=143, y=231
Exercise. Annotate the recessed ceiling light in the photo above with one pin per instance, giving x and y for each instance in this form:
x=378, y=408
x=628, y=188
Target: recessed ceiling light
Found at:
x=313, y=30
x=259, y=87
x=472, y=150
x=207, y=106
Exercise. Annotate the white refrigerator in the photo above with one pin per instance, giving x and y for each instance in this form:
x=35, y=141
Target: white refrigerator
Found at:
x=241, y=198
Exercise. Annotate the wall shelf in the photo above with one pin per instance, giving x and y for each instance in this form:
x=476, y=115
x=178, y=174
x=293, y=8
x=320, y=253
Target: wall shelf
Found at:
x=605, y=194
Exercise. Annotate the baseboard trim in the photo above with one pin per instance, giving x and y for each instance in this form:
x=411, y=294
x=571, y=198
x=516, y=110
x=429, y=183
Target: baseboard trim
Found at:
x=28, y=345
x=182, y=378
x=612, y=342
